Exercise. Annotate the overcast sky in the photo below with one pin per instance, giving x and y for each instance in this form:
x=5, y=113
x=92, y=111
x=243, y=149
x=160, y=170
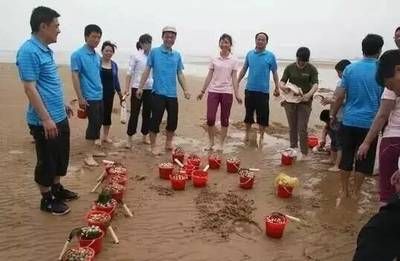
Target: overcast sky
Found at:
x=332, y=29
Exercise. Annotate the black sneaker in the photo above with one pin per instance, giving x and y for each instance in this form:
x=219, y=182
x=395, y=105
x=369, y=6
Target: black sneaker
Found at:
x=54, y=206
x=60, y=193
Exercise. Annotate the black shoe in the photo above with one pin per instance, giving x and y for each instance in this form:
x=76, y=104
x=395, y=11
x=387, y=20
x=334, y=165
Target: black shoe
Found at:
x=54, y=206
x=60, y=193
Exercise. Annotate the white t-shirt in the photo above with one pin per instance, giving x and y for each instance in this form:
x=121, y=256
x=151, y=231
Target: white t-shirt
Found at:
x=137, y=65
x=393, y=127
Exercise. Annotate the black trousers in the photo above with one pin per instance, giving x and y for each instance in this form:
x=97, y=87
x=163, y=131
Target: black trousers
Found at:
x=135, y=111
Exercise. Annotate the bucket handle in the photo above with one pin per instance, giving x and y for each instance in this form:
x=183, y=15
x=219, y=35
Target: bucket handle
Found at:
x=246, y=182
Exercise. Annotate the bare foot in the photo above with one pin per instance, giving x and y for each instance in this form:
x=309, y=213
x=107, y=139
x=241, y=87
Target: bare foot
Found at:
x=209, y=148
x=168, y=146
x=219, y=148
x=91, y=162
x=327, y=161
x=97, y=142
x=260, y=142
x=334, y=169
x=107, y=140
x=155, y=151
x=99, y=154
x=146, y=139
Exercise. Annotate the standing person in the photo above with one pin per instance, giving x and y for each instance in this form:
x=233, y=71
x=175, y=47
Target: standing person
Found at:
x=362, y=94
x=110, y=82
x=85, y=66
x=389, y=112
x=336, y=150
x=260, y=63
x=137, y=65
x=305, y=76
x=46, y=115
x=221, y=82
x=167, y=66
x=397, y=37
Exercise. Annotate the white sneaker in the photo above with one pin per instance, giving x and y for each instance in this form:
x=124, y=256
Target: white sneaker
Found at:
x=91, y=162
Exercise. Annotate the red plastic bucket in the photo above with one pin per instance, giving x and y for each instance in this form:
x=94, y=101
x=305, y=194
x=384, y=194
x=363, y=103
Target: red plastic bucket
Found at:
x=110, y=210
x=214, y=162
x=194, y=161
x=189, y=170
x=117, y=169
x=286, y=160
x=284, y=192
x=103, y=225
x=82, y=114
x=121, y=179
x=178, y=182
x=117, y=191
x=232, y=166
x=312, y=141
x=90, y=251
x=275, y=225
x=246, y=182
x=96, y=244
x=165, y=170
x=199, y=178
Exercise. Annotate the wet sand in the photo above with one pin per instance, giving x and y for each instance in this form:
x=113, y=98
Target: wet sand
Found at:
x=170, y=225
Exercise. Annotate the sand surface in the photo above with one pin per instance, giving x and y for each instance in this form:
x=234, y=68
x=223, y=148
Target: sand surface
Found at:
x=220, y=222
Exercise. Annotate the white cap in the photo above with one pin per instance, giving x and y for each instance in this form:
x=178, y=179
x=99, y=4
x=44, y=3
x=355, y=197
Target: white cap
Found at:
x=169, y=29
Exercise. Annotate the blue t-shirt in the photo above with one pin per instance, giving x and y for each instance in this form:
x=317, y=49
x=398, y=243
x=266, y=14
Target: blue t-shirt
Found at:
x=166, y=65
x=87, y=63
x=260, y=65
x=363, y=93
x=36, y=64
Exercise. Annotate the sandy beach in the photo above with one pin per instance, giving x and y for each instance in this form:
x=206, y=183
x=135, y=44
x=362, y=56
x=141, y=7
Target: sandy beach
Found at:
x=176, y=225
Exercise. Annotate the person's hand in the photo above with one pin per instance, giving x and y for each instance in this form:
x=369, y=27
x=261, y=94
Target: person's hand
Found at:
x=277, y=92
x=83, y=103
x=139, y=93
x=238, y=99
x=305, y=98
x=322, y=143
x=362, y=151
x=186, y=94
x=285, y=89
x=333, y=122
x=325, y=101
x=395, y=180
x=200, y=96
x=69, y=111
x=50, y=129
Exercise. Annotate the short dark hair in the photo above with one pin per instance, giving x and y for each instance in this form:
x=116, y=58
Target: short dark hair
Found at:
x=341, y=65
x=143, y=39
x=372, y=44
x=266, y=35
x=397, y=29
x=40, y=15
x=92, y=28
x=162, y=35
x=226, y=37
x=324, y=116
x=109, y=43
x=303, y=54
x=386, y=65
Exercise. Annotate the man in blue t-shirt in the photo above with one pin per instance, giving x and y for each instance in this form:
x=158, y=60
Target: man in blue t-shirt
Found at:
x=362, y=94
x=85, y=67
x=260, y=63
x=47, y=116
x=167, y=66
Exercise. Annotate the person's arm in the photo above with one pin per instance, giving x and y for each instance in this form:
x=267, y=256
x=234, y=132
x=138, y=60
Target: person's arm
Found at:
x=128, y=80
x=235, y=84
x=117, y=84
x=380, y=120
x=129, y=75
x=182, y=82
x=206, y=83
x=323, y=136
x=339, y=95
x=285, y=78
x=314, y=81
x=77, y=87
x=143, y=79
x=276, y=82
x=243, y=71
x=49, y=126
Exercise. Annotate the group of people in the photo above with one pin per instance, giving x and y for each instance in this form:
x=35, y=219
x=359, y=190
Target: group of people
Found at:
x=360, y=109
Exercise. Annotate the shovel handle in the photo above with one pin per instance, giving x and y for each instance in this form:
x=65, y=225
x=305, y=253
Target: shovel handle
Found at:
x=95, y=187
x=101, y=176
x=113, y=235
x=206, y=168
x=254, y=170
x=293, y=218
x=179, y=163
x=128, y=211
x=63, y=250
x=108, y=162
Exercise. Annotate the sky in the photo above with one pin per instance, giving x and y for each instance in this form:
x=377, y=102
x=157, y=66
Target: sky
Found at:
x=332, y=29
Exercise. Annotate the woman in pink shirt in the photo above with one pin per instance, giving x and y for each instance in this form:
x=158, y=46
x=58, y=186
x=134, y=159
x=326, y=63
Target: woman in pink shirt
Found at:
x=389, y=151
x=222, y=83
